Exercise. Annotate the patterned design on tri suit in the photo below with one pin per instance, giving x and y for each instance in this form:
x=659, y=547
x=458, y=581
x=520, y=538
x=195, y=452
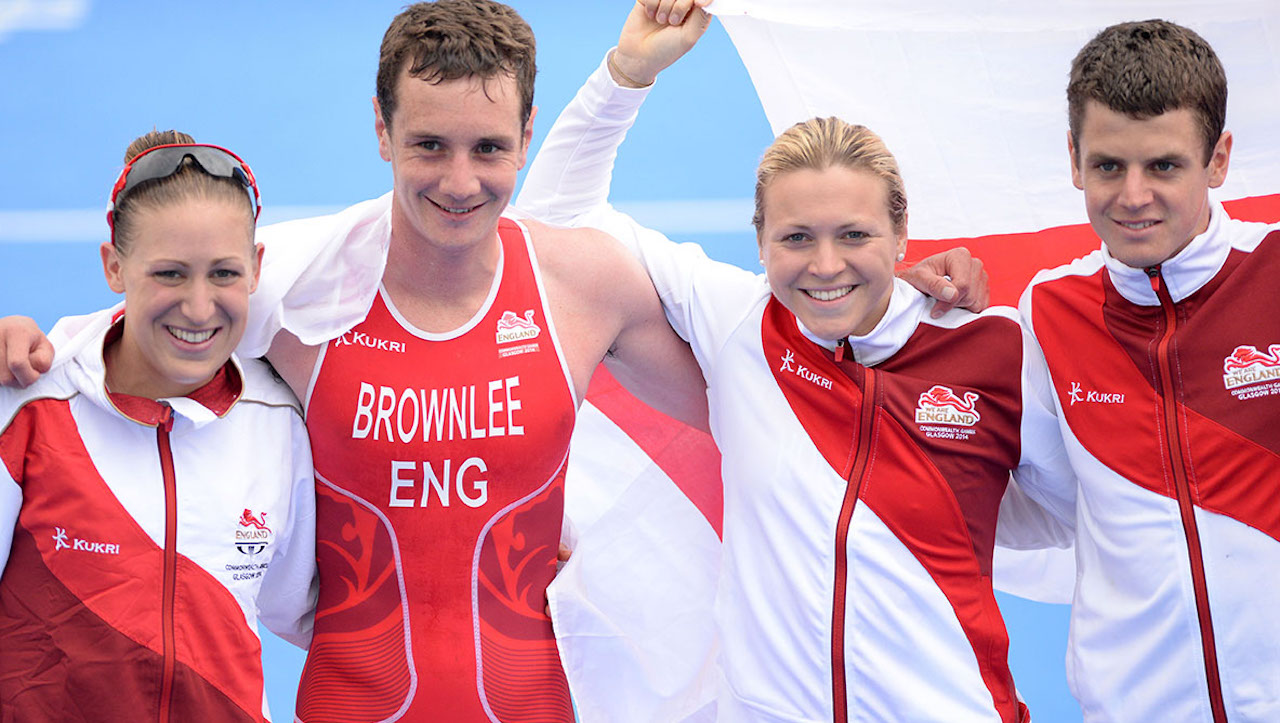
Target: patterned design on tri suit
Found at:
x=441, y=458
x=363, y=618
x=939, y=496
x=513, y=575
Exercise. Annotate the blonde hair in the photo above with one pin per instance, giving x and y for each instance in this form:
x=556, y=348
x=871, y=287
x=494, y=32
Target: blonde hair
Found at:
x=820, y=143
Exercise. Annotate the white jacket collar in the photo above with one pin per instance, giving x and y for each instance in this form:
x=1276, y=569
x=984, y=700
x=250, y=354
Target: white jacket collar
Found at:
x=906, y=308
x=87, y=372
x=1184, y=274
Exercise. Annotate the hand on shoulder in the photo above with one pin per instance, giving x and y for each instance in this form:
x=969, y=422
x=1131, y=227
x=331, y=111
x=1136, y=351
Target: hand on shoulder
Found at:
x=25, y=351
x=954, y=278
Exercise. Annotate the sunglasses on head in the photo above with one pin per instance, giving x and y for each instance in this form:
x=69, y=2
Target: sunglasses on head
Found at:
x=164, y=161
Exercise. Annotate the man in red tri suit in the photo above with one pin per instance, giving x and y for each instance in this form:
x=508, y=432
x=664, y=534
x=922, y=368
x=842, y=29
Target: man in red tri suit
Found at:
x=441, y=348
x=440, y=421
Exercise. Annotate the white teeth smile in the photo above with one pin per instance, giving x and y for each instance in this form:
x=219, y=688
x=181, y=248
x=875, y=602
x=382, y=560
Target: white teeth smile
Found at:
x=457, y=210
x=828, y=294
x=1138, y=226
x=191, y=337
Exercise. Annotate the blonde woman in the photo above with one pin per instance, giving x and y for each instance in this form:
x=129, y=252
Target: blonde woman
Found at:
x=866, y=445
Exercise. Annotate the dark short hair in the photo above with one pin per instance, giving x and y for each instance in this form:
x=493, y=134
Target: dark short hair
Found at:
x=1143, y=69
x=451, y=39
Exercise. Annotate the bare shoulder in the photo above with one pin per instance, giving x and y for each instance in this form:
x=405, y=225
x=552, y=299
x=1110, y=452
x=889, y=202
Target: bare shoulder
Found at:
x=597, y=293
x=589, y=265
x=607, y=309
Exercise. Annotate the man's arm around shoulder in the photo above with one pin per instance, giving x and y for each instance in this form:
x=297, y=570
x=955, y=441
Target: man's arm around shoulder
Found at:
x=605, y=302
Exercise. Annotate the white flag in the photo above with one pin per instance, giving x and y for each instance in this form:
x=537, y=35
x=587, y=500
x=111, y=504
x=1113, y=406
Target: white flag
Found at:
x=971, y=96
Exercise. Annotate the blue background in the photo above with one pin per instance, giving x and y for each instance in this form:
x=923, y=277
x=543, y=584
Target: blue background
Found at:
x=287, y=85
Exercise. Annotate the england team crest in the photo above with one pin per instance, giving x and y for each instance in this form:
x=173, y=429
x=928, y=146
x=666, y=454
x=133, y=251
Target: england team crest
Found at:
x=943, y=414
x=252, y=533
x=1248, y=372
x=513, y=328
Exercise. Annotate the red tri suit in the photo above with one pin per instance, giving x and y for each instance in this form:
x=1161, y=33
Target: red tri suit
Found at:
x=1167, y=384
x=440, y=462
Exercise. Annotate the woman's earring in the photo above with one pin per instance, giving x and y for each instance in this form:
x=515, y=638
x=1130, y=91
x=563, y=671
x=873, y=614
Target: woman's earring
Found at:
x=902, y=256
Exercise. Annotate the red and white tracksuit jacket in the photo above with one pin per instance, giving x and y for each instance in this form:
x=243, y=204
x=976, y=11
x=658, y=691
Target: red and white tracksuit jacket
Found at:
x=862, y=485
x=143, y=541
x=1167, y=384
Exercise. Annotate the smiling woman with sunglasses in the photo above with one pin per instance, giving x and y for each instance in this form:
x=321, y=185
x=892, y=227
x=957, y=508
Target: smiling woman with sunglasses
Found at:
x=158, y=489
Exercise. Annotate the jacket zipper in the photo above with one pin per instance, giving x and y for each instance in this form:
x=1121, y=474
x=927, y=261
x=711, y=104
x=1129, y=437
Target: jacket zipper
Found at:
x=1183, y=488
x=163, y=428
x=866, y=422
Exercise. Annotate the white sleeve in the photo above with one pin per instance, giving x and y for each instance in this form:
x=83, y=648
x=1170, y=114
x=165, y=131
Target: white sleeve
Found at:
x=572, y=171
x=10, y=505
x=1035, y=555
x=1035, y=536
x=70, y=333
x=1047, y=575
x=1044, y=471
x=568, y=183
x=287, y=598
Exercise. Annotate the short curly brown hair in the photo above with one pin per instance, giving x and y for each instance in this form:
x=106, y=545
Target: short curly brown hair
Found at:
x=1146, y=68
x=451, y=39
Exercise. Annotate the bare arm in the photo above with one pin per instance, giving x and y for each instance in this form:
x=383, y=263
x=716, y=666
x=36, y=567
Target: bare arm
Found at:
x=294, y=362
x=605, y=309
x=649, y=359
